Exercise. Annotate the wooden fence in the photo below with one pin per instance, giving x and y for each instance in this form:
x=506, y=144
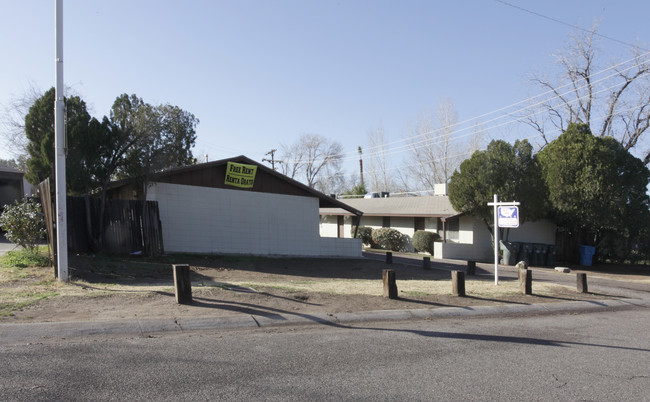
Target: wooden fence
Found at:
x=125, y=230
x=47, y=204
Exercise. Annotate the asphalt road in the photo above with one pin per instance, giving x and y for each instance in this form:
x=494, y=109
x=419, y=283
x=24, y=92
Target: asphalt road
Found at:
x=595, y=356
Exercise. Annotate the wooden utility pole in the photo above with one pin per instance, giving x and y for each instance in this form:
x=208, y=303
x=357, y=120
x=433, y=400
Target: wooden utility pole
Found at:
x=272, y=160
x=361, y=166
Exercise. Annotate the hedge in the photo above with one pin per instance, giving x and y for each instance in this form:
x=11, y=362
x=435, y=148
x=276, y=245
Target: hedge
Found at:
x=365, y=234
x=423, y=240
x=388, y=239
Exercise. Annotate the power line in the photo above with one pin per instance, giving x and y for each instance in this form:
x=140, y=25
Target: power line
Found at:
x=386, y=148
x=416, y=164
x=568, y=24
x=528, y=101
x=432, y=141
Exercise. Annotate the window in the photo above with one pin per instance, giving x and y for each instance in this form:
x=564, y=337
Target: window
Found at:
x=418, y=223
x=450, y=229
x=385, y=222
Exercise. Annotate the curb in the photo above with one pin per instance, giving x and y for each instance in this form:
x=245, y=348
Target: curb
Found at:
x=11, y=333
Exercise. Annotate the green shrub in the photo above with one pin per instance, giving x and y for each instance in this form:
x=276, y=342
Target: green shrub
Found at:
x=423, y=241
x=23, y=223
x=388, y=239
x=24, y=258
x=365, y=234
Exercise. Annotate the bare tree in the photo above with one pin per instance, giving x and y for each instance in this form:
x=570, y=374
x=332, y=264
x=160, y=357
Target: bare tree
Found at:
x=314, y=160
x=13, y=120
x=332, y=182
x=379, y=172
x=292, y=159
x=613, y=102
x=436, y=148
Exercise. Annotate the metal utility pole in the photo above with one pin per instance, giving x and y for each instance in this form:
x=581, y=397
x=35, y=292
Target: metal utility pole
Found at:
x=272, y=160
x=59, y=159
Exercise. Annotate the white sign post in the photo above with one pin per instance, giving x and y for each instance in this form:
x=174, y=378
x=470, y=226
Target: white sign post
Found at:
x=508, y=221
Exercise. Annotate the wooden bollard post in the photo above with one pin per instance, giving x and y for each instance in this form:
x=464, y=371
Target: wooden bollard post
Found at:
x=182, y=283
x=458, y=283
x=526, y=281
x=521, y=266
x=426, y=263
x=582, y=283
x=390, y=287
x=389, y=257
x=471, y=267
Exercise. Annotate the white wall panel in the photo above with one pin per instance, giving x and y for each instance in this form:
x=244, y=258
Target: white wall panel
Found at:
x=210, y=220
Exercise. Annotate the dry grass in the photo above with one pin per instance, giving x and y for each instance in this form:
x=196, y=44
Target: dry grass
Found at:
x=478, y=288
x=129, y=277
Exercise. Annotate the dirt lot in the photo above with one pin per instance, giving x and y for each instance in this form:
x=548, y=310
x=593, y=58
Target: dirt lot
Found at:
x=104, y=288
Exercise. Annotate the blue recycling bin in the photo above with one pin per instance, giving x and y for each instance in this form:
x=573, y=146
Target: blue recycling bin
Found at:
x=586, y=255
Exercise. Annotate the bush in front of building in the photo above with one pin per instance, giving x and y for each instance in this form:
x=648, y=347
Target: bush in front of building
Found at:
x=365, y=234
x=23, y=223
x=423, y=241
x=388, y=239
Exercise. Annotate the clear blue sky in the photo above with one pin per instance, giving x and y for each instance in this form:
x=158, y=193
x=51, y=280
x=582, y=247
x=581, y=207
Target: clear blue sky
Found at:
x=261, y=73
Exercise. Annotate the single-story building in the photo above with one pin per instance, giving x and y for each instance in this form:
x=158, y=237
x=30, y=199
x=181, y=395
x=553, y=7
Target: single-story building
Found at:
x=12, y=186
x=239, y=206
x=462, y=237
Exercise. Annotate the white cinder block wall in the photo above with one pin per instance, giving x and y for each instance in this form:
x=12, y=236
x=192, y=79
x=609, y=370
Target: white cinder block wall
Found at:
x=328, y=226
x=211, y=220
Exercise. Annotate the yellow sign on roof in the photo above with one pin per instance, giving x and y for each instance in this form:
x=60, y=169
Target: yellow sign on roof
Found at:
x=240, y=175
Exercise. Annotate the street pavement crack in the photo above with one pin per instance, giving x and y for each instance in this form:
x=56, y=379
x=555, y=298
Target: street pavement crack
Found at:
x=140, y=328
x=560, y=383
x=178, y=324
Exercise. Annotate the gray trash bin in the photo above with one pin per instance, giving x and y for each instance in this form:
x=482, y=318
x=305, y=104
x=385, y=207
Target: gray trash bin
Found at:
x=550, y=255
x=525, y=252
x=539, y=255
x=510, y=252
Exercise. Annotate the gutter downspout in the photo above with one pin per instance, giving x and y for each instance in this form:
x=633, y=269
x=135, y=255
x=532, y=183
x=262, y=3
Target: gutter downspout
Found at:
x=444, y=229
x=357, y=219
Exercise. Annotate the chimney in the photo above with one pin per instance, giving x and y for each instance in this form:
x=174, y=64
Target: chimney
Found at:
x=440, y=189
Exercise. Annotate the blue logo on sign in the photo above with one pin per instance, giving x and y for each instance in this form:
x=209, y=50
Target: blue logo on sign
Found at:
x=508, y=217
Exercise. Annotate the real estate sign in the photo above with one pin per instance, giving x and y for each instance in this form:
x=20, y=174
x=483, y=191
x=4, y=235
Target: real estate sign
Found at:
x=240, y=175
x=508, y=217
